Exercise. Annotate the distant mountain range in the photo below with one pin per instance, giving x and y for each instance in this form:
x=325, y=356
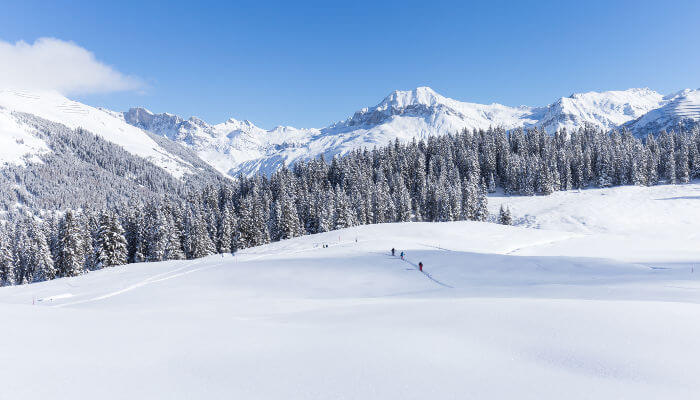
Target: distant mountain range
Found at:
x=235, y=147
x=191, y=147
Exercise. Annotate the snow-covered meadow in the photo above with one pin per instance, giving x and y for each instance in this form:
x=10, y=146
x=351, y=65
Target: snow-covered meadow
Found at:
x=593, y=296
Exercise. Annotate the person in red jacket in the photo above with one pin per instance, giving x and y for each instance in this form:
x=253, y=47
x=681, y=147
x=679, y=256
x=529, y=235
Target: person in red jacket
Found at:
x=420, y=266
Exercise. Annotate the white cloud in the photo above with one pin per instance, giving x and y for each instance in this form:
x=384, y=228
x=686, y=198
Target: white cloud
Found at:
x=54, y=64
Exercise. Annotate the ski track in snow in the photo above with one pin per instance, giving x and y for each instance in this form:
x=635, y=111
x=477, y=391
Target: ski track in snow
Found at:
x=163, y=276
x=538, y=244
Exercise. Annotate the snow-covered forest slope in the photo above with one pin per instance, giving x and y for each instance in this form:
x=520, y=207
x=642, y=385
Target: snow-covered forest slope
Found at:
x=600, y=302
x=106, y=124
x=56, y=153
x=235, y=147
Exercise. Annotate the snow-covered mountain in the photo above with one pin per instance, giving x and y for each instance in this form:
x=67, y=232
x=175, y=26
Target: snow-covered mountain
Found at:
x=239, y=147
x=229, y=145
x=605, y=110
x=56, y=153
x=235, y=147
x=678, y=109
x=106, y=124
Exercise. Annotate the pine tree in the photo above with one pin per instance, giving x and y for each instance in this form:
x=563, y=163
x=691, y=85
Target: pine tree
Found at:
x=24, y=269
x=669, y=166
x=468, y=200
x=226, y=232
x=111, y=248
x=40, y=256
x=403, y=206
x=322, y=217
x=504, y=217
x=70, y=258
x=157, y=232
x=289, y=219
x=90, y=228
x=252, y=226
x=682, y=159
x=342, y=216
x=481, y=210
x=201, y=244
x=173, y=248
x=7, y=262
x=546, y=183
x=491, y=185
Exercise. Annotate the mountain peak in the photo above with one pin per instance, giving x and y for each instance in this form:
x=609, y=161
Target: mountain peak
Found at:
x=422, y=95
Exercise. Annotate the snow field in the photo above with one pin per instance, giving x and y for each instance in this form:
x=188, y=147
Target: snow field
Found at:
x=572, y=310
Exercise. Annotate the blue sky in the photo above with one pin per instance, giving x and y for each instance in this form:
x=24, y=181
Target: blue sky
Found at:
x=307, y=64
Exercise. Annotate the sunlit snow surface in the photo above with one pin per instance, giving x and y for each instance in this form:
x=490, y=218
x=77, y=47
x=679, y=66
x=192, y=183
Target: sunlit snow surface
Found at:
x=601, y=303
x=17, y=144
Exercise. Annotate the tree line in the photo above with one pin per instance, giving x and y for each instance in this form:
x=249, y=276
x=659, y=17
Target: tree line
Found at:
x=443, y=178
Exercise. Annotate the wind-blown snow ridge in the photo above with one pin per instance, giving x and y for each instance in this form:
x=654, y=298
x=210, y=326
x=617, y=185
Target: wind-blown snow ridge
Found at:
x=239, y=147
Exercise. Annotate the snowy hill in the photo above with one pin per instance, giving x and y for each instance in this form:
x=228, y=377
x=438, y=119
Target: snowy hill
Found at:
x=679, y=109
x=241, y=147
x=593, y=307
x=605, y=110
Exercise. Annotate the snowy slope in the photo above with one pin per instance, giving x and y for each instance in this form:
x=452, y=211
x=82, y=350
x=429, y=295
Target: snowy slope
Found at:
x=682, y=108
x=106, y=124
x=604, y=110
x=241, y=147
x=502, y=314
x=635, y=223
x=17, y=144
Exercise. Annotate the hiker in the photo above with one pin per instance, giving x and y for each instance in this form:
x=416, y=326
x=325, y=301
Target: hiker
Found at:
x=420, y=266
x=402, y=255
x=393, y=251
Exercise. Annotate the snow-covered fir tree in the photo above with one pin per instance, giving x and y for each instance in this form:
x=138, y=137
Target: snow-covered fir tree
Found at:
x=111, y=248
x=40, y=255
x=7, y=261
x=504, y=217
x=70, y=259
x=226, y=232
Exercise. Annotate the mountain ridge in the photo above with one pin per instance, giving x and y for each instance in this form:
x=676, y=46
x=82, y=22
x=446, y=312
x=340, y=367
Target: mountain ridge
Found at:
x=240, y=147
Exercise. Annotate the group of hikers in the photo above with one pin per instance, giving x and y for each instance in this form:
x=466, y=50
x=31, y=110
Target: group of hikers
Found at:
x=393, y=254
